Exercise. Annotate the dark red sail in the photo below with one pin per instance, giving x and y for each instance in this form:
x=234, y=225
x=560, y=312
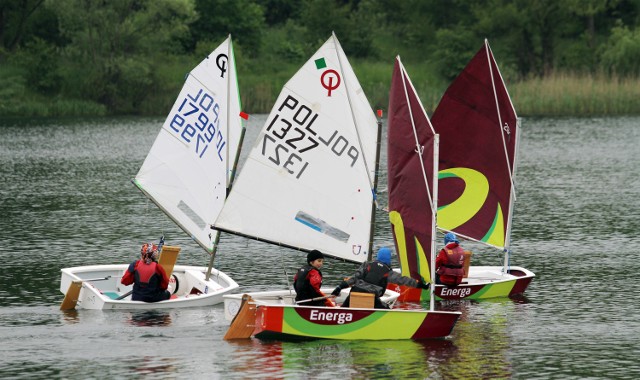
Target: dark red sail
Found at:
x=477, y=125
x=410, y=175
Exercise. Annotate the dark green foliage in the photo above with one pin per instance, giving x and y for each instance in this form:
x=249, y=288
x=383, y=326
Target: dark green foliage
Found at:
x=131, y=56
x=243, y=19
x=321, y=17
x=16, y=18
x=39, y=60
x=621, y=55
x=364, y=23
x=355, y=23
x=115, y=47
x=453, y=50
x=278, y=12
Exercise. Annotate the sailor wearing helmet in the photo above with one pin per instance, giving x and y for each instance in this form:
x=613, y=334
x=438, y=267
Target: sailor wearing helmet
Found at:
x=450, y=261
x=149, y=279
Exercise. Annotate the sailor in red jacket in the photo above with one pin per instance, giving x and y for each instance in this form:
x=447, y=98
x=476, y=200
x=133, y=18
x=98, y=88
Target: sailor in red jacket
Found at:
x=450, y=262
x=149, y=279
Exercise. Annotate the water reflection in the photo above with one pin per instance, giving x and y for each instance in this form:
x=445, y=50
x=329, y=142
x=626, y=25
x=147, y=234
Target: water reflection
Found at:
x=70, y=316
x=149, y=318
x=483, y=340
x=520, y=298
x=265, y=358
x=343, y=359
x=67, y=201
x=153, y=365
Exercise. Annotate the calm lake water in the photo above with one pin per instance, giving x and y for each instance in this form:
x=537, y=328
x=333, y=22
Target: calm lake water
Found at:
x=67, y=200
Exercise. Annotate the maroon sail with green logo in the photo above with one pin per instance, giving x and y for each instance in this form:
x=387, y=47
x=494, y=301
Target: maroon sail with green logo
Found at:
x=410, y=164
x=478, y=132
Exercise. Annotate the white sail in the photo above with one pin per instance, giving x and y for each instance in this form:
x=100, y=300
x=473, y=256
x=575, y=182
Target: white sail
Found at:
x=188, y=168
x=308, y=180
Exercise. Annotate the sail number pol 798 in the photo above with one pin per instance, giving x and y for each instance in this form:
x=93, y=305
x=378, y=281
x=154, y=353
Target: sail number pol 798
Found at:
x=289, y=134
x=197, y=122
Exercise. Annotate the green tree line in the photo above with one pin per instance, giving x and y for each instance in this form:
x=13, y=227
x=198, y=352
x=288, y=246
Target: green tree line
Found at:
x=130, y=57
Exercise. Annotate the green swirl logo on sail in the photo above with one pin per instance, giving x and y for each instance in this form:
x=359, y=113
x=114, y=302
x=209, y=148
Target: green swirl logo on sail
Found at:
x=469, y=204
x=421, y=258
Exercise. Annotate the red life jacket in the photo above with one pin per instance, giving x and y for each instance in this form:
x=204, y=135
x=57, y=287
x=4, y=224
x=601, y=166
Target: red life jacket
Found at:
x=145, y=275
x=452, y=271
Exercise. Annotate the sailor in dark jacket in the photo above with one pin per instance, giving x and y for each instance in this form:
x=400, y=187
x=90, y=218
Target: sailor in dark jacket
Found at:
x=372, y=277
x=308, y=280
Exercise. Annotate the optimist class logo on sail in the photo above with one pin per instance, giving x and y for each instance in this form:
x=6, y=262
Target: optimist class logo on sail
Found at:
x=330, y=79
x=291, y=131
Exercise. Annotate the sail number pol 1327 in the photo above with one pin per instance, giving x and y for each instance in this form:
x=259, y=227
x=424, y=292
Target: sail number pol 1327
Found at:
x=289, y=134
x=197, y=122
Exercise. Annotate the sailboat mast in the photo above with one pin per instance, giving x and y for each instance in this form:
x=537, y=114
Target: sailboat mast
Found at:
x=491, y=63
x=512, y=200
x=375, y=187
x=434, y=219
x=235, y=160
x=510, y=168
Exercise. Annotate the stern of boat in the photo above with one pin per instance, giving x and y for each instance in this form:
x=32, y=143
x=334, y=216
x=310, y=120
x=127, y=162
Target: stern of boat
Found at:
x=482, y=282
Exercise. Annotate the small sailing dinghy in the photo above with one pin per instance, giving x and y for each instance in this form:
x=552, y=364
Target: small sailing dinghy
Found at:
x=479, y=132
x=187, y=174
x=309, y=183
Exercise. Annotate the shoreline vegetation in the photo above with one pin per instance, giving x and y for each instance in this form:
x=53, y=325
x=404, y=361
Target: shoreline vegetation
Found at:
x=74, y=58
x=560, y=94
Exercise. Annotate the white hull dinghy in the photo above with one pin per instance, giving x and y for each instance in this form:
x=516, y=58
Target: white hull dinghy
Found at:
x=187, y=174
x=100, y=288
